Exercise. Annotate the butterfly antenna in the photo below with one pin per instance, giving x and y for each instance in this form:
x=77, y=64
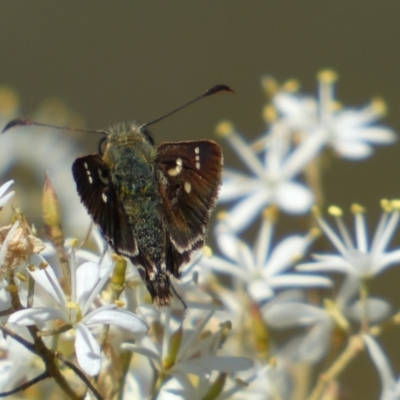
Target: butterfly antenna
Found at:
x=209, y=92
x=29, y=122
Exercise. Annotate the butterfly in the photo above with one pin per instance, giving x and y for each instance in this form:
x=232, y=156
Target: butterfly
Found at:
x=152, y=204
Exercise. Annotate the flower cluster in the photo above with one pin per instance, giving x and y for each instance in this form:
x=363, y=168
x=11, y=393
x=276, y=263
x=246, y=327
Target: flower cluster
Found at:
x=81, y=315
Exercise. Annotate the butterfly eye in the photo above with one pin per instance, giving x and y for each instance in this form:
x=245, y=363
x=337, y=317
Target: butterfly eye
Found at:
x=102, y=145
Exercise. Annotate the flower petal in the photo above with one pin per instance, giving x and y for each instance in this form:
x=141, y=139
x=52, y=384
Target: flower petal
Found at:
x=376, y=135
x=87, y=275
x=353, y=150
x=142, y=350
x=285, y=254
x=122, y=318
x=298, y=280
x=294, y=198
x=290, y=314
x=5, y=186
x=46, y=278
x=259, y=290
x=4, y=199
x=31, y=316
x=382, y=364
x=377, y=310
x=244, y=212
x=236, y=185
x=87, y=350
x=315, y=344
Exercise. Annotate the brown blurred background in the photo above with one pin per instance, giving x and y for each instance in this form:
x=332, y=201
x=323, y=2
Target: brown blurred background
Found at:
x=115, y=60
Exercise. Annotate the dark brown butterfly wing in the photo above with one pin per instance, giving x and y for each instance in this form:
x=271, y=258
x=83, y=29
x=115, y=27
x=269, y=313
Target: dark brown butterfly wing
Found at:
x=189, y=184
x=99, y=196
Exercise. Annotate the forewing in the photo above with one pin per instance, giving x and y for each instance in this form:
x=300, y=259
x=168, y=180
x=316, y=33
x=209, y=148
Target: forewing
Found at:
x=190, y=178
x=99, y=196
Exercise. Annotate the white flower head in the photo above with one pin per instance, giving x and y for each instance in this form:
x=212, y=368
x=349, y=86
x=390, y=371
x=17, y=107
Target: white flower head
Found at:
x=290, y=310
x=263, y=268
x=86, y=285
x=53, y=152
x=273, y=180
x=357, y=259
x=188, y=351
x=351, y=133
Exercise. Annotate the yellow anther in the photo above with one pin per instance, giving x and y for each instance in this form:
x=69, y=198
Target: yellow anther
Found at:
x=379, y=106
x=270, y=85
x=269, y=113
x=335, y=211
x=357, y=209
x=395, y=203
x=72, y=305
x=386, y=205
x=291, y=85
x=11, y=288
x=43, y=265
x=271, y=213
x=336, y=106
x=327, y=76
x=222, y=215
x=32, y=267
x=207, y=251
x=21, y=277
x=315, y=232
x=119, y=303
x=224, y=128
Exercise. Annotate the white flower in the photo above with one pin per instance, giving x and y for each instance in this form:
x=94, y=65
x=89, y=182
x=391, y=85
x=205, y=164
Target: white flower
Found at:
x=86, y=285
x=359, y=260
x=263, y=268
x=349, y=132
x=289, y=310
x=274, y=180
x=36, y=150
x=18, y=364
x=184, y=351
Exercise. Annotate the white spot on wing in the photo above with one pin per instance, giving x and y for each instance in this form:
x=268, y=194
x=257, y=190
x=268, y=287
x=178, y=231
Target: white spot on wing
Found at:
x=85, y=165
x=197, y=158
x=104, y=197
x=177, y=170
x=188, y=187
x=90, y=179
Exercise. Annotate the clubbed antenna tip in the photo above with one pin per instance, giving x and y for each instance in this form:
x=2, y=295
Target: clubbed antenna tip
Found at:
x=17, y=122
x=208, y=92
x=216, y=89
